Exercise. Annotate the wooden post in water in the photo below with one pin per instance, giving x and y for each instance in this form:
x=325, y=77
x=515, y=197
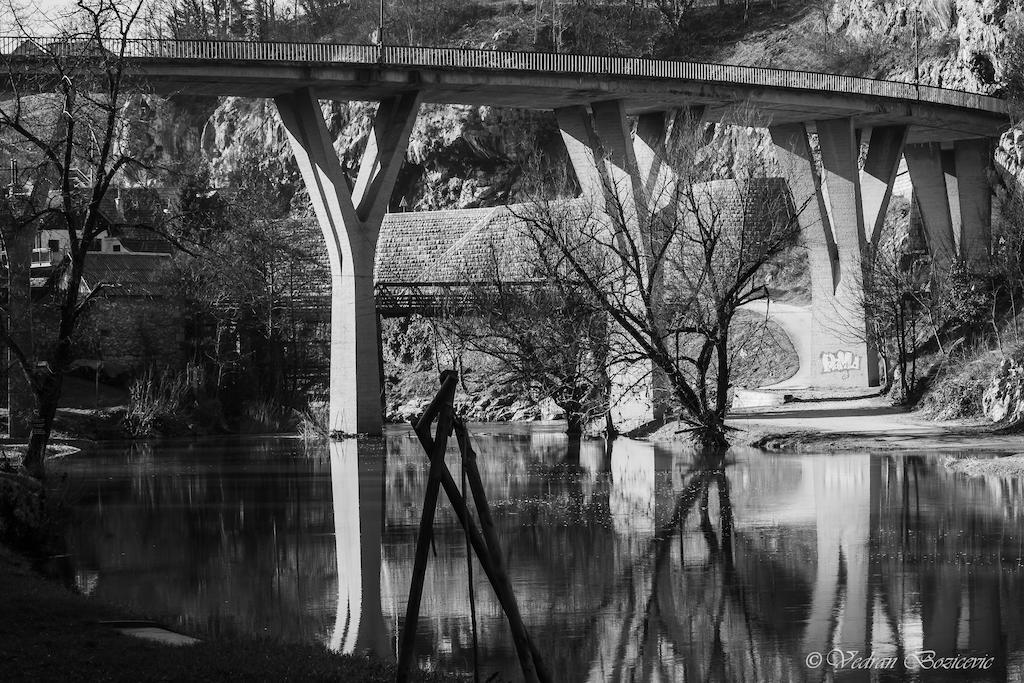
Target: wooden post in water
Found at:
x=483, y=510
x=487, y=551
x=442, y=406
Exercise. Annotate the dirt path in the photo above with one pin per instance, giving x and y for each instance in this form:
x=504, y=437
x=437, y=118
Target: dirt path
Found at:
x=866, y=423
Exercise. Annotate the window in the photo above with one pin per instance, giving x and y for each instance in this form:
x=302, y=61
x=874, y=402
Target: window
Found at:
x=54, y=245
x=117, y=247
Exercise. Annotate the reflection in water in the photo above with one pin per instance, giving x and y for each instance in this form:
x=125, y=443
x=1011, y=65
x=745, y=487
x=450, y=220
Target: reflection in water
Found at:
x=629, y=563
x=357, y=485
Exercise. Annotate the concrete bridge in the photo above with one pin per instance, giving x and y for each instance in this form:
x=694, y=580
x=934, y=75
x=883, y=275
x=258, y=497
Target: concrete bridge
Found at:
x=944, y=135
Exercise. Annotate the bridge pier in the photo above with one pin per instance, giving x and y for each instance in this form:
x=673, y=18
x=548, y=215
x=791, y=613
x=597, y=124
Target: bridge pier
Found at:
x=629, y=177
x=953, y=194
x=350, y=222
x=842, y=212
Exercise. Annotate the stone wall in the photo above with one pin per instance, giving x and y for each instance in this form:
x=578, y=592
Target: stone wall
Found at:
x=131, y=333
x=126, y=333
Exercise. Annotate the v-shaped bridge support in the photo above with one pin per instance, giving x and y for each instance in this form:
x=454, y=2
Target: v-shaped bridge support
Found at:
x=350, y=221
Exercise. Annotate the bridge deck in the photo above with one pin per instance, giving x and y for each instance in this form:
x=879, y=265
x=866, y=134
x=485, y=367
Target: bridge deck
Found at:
x=541, y=81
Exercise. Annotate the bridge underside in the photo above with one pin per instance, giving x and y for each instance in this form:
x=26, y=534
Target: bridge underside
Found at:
x=925, y=121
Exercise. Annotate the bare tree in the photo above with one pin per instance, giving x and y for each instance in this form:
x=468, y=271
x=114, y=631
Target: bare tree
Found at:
x=547, y=334
x=66, y=111
x=672, y=271
x=898, y=303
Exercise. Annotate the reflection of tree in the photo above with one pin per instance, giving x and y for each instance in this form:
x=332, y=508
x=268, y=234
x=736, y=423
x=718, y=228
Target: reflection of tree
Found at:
x=711, y=594
x=237, y=540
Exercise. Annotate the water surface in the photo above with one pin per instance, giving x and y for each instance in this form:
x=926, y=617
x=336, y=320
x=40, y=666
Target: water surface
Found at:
x=629, y=563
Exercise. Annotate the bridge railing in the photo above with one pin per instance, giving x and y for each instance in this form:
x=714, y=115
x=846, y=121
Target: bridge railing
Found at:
x=544, y=62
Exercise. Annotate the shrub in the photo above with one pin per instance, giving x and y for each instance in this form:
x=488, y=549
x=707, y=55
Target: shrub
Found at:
x=313, y=421
x=157, y=404
x=266, y=415
x=956, y=392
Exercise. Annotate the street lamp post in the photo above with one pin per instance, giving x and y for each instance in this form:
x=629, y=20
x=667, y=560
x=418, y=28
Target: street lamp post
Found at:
x=917, y=44
x=380, y=33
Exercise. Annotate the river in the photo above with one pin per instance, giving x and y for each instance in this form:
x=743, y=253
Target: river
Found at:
x=629, y=563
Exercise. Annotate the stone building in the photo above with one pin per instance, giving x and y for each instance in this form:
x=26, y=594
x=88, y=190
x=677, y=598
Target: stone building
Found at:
x=134, y=320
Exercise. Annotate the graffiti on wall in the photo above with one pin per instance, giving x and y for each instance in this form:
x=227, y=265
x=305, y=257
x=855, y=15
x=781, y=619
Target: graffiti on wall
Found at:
x=839, y=361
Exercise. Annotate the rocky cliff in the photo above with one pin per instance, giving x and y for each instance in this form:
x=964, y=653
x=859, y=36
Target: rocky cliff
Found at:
x=462, y=156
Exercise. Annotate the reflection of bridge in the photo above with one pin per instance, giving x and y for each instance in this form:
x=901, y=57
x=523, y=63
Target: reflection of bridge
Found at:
x=827, y=554
x=943, y=134
x=872, y=553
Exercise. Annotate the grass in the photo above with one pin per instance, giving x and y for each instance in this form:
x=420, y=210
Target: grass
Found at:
x=48, y=633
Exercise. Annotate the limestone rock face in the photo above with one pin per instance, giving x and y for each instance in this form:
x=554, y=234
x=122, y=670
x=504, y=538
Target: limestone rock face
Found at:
x=1003, y=401
x=458, y=156
x=467, y=156
x=958, y=37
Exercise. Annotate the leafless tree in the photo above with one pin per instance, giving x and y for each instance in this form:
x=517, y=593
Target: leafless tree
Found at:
x=547, y=334
x=67, y=113
x=672, y=269
x=898, y=303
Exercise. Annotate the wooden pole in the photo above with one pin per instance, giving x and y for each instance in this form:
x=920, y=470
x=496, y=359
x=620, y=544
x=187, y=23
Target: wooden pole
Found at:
x=443, y=405
x=490, y=534
x=505, y=598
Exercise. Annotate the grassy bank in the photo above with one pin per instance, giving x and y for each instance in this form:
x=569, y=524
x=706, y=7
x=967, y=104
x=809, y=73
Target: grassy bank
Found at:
x=48, y=633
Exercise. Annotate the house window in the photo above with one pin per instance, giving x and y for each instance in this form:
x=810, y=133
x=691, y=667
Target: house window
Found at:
x=117, y=247
x=54, y=245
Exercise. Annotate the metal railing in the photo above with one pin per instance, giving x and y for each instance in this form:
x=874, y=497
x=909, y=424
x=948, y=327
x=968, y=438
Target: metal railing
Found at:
x=499, y=60
x=435, y=298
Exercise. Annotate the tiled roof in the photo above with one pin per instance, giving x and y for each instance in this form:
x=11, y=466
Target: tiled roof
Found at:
x=128, y=274
x=411, y=243
x=137, y=238
x=459, y=245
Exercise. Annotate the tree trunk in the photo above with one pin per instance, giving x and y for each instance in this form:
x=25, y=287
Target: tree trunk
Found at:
x=710, y=435
x=573, y=419
x=20, y=403
x=42, y=425
x=572, y=452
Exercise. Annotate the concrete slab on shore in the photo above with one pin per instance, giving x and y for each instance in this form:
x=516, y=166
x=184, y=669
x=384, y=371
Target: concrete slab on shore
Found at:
x=151, y=631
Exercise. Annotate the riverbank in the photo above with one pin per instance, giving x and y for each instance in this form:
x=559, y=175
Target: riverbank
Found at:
x=869, y=423
x=49, y=633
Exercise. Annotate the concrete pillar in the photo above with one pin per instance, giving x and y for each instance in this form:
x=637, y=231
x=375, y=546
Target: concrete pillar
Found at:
x=623, y=173
x=832, y=221
x=840, y=150
x=602, y=153
x=582, y=148
x=649, y=150
x=924, y=161
x=973, y=160
x=885, y=149
x=796, y=164
x=955, y=200
x=952, y=194
x=351, y=224
x=650, y=147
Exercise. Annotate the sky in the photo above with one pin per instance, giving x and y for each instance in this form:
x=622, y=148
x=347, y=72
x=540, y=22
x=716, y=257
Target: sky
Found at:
x=39, y=16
